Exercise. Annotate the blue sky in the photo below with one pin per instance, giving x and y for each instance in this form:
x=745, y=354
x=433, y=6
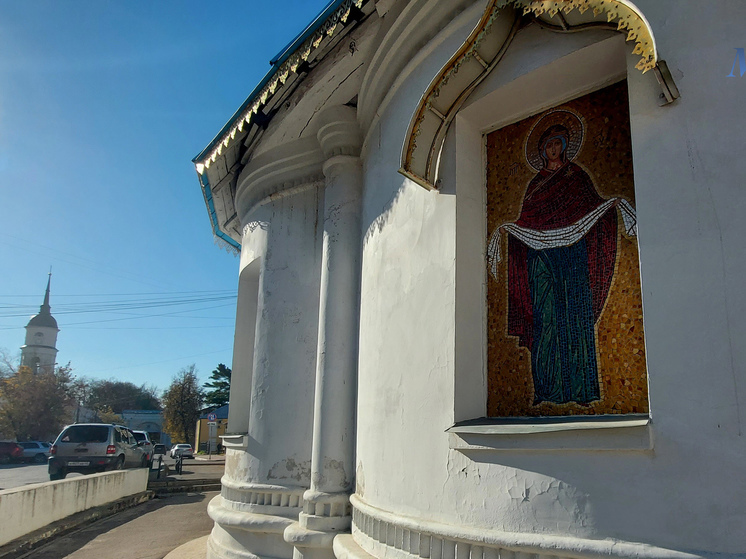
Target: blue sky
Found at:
x=103, y=104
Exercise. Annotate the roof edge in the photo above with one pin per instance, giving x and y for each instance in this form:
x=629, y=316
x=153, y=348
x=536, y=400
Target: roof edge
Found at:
x=335, y=12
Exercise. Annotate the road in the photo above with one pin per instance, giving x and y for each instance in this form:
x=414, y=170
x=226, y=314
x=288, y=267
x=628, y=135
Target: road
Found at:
x=148, y=531
x=16, y=475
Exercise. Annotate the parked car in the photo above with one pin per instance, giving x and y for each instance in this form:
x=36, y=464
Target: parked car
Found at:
x=143, y=438
x=35, y=451
x=184, y=449
x=10, y=451
x=159, y=449
x=94, y=447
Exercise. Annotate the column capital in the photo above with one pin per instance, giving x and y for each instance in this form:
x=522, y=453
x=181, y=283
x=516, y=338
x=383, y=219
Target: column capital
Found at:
x=336, y=164
x=339, y=133
x=281, y=171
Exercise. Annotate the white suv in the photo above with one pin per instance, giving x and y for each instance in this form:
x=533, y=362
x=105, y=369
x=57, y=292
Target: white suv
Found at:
x=184, y=449
x=94, y=447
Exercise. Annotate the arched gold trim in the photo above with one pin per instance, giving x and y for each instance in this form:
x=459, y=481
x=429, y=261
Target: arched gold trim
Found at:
x=482, y=51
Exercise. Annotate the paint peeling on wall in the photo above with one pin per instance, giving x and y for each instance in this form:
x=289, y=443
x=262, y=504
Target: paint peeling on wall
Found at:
x=290, y=468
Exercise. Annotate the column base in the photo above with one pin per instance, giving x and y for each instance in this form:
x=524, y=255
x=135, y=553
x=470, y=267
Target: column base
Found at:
x=239, y=534
x=324, y=516
x=345, y=547
x=309, y=544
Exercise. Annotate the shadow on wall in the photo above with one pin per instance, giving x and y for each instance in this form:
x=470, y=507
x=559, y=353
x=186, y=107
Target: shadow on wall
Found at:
x=546, y=482
x=379, y=196
x=388, y=198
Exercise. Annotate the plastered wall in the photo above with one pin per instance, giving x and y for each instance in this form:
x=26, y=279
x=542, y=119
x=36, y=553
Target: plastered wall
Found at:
x=286, y=241
x=688, y=179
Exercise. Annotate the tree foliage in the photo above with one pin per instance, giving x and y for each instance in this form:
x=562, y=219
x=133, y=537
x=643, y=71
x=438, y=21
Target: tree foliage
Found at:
x=118, y=396
x=217, y=391
x=104, y=414
x=182, y=402
x=35, y=406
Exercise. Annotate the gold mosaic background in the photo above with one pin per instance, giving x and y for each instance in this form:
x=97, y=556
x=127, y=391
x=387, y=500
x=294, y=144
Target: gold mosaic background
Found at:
x=607, y=157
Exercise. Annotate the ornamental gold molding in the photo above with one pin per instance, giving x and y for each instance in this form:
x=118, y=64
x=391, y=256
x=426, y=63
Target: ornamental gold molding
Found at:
x=483, y=50
x=622, y=12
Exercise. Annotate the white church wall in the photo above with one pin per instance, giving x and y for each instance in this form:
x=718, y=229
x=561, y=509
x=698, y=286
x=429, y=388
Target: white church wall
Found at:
x=268, y=457
x=407, y=312
x=281, y=404
x=687, y=176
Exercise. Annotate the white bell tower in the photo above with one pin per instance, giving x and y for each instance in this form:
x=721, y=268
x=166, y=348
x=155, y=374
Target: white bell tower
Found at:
x=39, y=353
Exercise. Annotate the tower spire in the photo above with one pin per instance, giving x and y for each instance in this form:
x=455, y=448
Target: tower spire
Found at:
x=39, y=353
x=45, y=308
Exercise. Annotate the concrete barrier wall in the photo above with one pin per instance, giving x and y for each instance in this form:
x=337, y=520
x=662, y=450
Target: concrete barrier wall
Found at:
x=28, y=508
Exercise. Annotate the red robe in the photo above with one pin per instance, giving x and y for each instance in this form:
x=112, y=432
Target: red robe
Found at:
x=556, y=199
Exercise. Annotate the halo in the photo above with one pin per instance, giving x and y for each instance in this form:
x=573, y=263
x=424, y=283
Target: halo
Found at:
x=567, y=118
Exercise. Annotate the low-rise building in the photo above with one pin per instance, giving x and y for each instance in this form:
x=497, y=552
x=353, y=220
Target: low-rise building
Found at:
x=203, y=434
x=147, y=420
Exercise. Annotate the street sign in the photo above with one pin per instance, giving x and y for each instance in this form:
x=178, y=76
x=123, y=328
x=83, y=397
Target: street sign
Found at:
x=211, y=417
x=211, y=423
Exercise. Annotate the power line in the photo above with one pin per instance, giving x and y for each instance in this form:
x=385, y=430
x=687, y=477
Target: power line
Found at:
x=146, y=327
x=12, y=310
x=159, y=362
x=56, y=295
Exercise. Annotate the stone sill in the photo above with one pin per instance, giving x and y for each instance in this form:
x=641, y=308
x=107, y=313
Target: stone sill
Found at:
x=235, y=440
x=603, y=432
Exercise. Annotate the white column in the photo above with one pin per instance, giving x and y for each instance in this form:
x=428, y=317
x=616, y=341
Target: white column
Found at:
x=243, y=349
x=278, y=195
x=326, y=507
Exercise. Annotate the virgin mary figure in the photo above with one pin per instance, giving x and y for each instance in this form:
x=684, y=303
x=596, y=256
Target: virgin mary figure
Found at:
x=561, y=257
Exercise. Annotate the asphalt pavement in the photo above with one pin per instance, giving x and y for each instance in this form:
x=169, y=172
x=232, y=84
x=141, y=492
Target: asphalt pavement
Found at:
x=148, y=531
x=16, y=475
x=201, y=467
x=19, y=474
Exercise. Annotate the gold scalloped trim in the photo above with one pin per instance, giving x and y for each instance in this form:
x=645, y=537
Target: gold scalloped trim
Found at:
x=627, y=17
x=302, y=54
x=620, y=11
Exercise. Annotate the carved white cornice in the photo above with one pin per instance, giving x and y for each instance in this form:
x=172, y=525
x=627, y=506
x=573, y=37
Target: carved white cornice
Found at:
x=220, y=511
x=262, y=498
x=320, y=503
x=381, y=533
x=278, y=172
x=298, y=165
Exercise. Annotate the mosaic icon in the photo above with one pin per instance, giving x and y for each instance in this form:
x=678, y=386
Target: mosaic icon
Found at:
x=562, y=252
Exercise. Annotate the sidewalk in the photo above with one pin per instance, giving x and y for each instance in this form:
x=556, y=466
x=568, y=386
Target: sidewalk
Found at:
x=148, y=531
x=154, y=529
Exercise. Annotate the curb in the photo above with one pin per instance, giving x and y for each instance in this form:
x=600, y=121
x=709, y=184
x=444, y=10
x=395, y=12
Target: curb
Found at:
x=183, y=486
x=23, y=545
x=195, y=549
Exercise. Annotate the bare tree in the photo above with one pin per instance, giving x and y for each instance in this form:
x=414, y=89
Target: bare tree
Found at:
x=8, y=363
